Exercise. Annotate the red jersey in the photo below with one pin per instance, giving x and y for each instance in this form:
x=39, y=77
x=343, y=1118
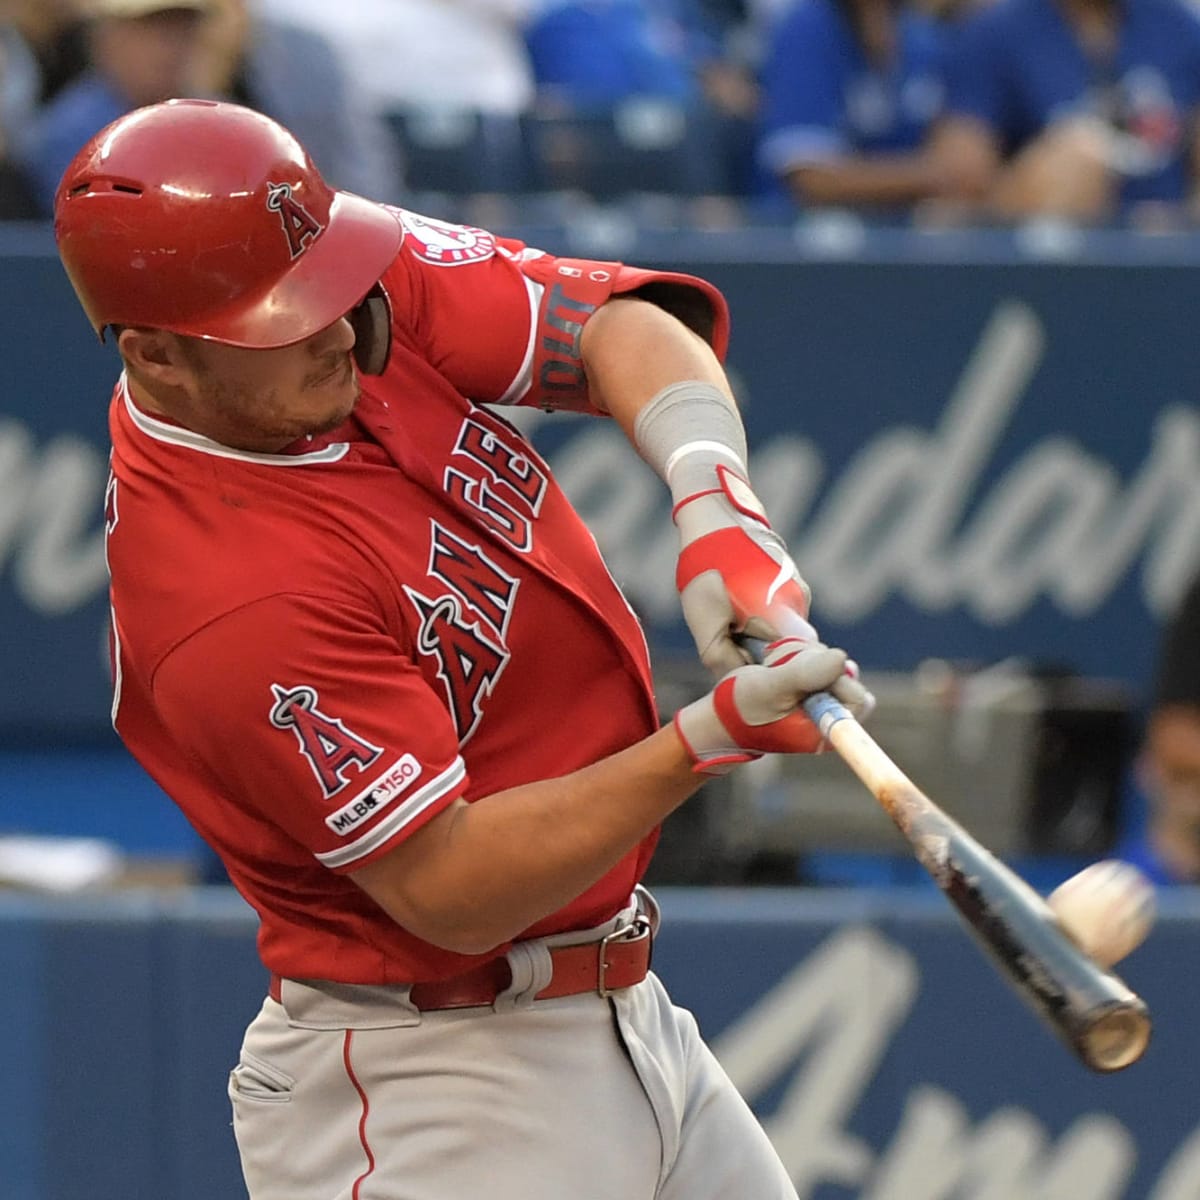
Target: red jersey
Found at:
x=317, y=651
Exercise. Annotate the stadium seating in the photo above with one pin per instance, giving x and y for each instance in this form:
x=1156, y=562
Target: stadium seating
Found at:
x=459, y=152
x=641, y=146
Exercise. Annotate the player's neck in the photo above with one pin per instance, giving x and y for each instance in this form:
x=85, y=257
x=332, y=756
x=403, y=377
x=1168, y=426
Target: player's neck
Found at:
x=144, y=399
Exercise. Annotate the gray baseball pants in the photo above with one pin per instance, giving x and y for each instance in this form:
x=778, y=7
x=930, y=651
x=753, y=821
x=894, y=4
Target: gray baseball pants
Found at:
x=351, y=1093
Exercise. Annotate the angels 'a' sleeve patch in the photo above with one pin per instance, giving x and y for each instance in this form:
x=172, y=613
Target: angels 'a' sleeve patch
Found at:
x=444, y=244
x=344, y=749
x=386, y=796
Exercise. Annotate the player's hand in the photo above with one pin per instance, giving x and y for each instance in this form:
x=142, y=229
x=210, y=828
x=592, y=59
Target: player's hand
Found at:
x=755, y=710
x=733, y=570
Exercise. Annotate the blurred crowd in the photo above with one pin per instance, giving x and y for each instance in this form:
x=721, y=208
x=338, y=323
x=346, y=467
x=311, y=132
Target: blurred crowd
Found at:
x=1162, y=834
x=938, y=112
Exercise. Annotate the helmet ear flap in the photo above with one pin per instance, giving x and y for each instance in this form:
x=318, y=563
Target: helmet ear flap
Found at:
x=371, y=320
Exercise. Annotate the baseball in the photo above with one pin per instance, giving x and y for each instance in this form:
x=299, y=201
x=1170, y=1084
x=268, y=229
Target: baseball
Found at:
x=1107, y=909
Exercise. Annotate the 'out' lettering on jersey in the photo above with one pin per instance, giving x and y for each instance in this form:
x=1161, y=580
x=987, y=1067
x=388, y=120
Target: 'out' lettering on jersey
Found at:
x=562, y=369
x=331, y=748
x=473, y=578
x=468, y=661
x=504, y=463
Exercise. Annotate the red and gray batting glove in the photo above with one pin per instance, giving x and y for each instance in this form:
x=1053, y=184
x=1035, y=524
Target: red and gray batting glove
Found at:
x=755, y=710
x=733, y=570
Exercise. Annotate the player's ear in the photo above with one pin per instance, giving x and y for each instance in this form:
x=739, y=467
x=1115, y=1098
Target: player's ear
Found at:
x=152, y=354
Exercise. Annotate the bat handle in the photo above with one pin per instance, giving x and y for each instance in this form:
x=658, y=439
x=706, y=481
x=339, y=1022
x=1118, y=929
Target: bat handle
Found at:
x=825, y=711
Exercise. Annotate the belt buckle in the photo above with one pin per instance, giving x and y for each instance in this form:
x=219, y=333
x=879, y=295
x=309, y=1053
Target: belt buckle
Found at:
x=638, y=925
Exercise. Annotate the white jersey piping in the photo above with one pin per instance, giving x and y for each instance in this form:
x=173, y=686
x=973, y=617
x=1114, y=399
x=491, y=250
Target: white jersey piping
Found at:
x=175, y=435
x=524, y=377
x=416, y=804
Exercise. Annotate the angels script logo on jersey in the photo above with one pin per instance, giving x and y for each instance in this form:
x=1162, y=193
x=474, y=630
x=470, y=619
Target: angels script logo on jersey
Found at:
x=444, y=244
x=463, y=626
x=331, y=748
x=467, y=602
x=299, y=224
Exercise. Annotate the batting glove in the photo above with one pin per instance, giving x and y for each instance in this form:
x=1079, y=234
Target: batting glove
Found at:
x=756, y=709
x=733, y=570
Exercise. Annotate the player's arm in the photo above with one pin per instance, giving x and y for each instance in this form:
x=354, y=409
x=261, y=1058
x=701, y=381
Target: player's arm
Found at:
x=666, y=388
x=479, y=874
x=522, y=327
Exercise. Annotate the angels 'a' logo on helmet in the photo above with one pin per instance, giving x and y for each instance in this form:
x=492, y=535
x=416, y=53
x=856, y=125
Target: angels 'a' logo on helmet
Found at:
x=298, y=223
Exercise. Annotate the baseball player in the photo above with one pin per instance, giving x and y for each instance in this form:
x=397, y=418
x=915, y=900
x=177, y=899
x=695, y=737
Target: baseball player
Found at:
x=363, y=641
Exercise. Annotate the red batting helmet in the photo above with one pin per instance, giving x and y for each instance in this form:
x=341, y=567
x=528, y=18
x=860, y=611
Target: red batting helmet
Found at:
x=210, y=220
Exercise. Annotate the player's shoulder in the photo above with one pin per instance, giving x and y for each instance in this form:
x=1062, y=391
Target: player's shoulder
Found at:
x=438, y=243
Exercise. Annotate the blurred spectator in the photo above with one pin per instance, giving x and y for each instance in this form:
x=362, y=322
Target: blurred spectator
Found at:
x=294, y=75
x=17, y=199
x=143, y=51
x=42, y=48
x=140, y=52
x=440, y=53
x=590, y=54
x=22, y=85
x=850, y=91
x=668, y=74
x=1080, y=109
x=449, y=77
x=1167, y=845
x=726, y=53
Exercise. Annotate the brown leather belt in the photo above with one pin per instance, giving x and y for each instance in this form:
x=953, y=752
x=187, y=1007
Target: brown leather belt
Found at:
x=617, y=961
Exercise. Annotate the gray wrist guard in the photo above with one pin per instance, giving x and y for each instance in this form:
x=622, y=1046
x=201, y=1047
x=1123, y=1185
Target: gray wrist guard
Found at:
x=685, y=431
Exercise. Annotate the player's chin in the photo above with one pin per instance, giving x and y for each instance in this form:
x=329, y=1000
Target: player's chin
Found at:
x=334, y=399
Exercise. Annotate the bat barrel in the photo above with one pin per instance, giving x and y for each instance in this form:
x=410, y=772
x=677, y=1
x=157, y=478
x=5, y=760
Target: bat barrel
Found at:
x=1104, y=1023
x=1113, y=1040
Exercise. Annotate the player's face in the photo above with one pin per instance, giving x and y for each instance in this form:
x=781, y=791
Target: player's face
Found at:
x=266, y=399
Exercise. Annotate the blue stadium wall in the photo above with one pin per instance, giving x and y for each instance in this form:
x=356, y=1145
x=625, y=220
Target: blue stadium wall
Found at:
x=887, y=1059
x=977, y=454
x=982, y=447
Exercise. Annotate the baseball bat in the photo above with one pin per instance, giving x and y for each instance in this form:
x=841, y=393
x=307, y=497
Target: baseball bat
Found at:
x=1090, y=1008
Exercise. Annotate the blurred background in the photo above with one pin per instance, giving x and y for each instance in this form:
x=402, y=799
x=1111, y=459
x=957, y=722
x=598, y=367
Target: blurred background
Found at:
x=961, y=249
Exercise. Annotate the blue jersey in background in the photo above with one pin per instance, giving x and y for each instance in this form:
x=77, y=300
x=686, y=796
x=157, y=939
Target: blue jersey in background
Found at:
x=1018, y=66
x=823, y=99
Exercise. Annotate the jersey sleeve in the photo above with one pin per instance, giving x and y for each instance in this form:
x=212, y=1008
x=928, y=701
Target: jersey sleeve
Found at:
x=314, y=721
x=502, y=321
